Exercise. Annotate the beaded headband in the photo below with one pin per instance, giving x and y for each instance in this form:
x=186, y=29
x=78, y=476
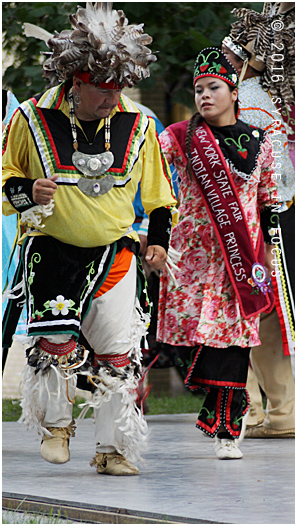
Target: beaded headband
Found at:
x=86, y=77
x=236, y=48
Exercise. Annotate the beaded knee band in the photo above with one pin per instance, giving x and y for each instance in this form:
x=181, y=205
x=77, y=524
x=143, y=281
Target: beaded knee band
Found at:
x=59, y=349
x=118, y=360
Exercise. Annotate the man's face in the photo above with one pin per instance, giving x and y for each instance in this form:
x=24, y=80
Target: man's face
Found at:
x=96, y=103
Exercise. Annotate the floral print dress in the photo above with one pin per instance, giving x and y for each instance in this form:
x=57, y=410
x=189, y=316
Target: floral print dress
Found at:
x=201, y=307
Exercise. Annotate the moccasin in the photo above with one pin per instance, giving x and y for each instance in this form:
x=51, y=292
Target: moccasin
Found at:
x=113, y=464
x=226, y=449
x=260, y=431
x=55, y=448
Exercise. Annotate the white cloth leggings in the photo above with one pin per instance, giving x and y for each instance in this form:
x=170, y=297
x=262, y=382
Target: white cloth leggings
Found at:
x=108, y=328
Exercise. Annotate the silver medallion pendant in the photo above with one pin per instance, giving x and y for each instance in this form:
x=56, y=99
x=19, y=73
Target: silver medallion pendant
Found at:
x=97, y=186
x=94, y=166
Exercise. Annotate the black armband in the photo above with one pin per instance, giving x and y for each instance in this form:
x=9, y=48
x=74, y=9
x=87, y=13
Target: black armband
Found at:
x=159, y=229
x=19, y=193
x=269, y=224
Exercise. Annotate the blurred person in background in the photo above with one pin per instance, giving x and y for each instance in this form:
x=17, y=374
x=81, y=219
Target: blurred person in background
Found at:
x=266, y=91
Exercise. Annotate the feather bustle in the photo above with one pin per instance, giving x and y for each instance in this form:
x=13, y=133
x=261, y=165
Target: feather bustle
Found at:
x=258, y=27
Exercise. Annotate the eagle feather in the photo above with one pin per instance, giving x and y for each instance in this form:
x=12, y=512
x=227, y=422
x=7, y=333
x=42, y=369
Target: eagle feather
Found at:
x=258, y=27
x=102, y=39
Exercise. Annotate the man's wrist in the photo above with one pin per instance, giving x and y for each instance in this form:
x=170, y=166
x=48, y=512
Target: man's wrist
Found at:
x=159, y=228
x=19, y=192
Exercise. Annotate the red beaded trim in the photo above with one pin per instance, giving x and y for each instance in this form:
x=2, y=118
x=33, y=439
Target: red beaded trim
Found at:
x=118, y=360
x=85, y=77
x=57, y=348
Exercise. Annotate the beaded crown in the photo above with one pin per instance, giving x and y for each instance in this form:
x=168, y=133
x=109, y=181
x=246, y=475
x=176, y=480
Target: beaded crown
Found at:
x=211, y=62
x=236, y=48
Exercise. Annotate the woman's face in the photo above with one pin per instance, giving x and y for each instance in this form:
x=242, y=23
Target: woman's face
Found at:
x=235, y=60
x=214, y=101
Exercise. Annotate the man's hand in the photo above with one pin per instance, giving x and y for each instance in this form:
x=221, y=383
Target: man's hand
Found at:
x=44, y=189
x=143, y=244
x=156, y=256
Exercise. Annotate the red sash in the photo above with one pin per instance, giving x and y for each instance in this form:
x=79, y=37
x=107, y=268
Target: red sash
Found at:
x=245, y=266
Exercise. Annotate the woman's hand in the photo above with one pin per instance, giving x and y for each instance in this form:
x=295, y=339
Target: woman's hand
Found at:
x=269, y=256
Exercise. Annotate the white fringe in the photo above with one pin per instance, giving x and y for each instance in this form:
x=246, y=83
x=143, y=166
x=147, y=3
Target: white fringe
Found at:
x=26, y=341
x=140, y=325
x=135, y=430
x=32, y=413
x=33, y=216
x=34, y=385
x=173, y=257
x=11, y=293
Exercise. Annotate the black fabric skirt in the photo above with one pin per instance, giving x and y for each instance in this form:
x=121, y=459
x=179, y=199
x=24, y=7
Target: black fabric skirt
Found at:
x=216, y=368
x=221, y=374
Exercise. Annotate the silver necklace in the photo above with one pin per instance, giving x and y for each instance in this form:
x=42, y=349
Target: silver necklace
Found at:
x=92, y=167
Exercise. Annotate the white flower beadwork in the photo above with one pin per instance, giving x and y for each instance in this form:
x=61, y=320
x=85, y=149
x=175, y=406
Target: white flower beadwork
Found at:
x=234, y=78
x=273, y=232
x=256, y=134
x=59, y=305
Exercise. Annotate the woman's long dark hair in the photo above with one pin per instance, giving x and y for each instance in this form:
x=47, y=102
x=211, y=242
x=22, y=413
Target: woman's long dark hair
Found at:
x=195, y=120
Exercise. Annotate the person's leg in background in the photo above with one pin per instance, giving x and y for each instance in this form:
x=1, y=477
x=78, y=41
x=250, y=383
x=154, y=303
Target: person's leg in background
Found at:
x=257, y=413
x=274, y=373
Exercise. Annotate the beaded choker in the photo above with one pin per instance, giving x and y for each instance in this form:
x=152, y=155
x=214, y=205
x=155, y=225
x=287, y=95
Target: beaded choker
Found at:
x=92, y=167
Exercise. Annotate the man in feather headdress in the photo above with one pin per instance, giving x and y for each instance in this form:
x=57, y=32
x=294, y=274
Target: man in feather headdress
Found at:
x=262, y=48
x=73, y=159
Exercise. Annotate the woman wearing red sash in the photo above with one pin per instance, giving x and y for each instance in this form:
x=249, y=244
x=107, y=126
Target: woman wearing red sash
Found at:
x=210, y=305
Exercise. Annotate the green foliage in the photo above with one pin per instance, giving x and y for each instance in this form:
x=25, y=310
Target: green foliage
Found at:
x=179, y=29
x=158, y=405
x=162, y=404
x=24, y=75
x=11, y=409
x=170, y=405
x=21, y=517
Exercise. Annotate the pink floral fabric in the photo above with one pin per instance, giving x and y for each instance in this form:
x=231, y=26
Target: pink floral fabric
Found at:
x=202, y=307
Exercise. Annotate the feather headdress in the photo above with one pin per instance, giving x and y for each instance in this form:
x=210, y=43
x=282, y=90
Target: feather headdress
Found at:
x=101, y=42
x=271, y=39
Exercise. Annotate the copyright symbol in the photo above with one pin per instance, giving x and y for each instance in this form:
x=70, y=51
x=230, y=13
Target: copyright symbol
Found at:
x=277, y=25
